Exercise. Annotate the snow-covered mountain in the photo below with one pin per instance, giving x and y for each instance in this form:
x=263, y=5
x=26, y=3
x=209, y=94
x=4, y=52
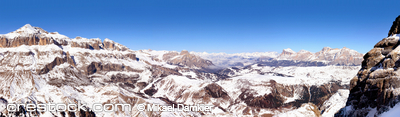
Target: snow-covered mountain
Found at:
x=40, y=67
x=330, y=56
x=288, y=57
x=223, y=60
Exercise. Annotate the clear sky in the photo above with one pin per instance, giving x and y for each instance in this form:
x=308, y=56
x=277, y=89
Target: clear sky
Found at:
x=230, y=26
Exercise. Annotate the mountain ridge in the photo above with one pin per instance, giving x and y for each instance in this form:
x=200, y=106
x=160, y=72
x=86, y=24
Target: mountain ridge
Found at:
x=65, y=70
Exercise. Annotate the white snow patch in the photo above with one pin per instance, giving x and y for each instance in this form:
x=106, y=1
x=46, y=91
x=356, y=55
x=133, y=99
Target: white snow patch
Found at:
x=335, y=102
x=304, y=111
x=291, y=99
x=393, y=112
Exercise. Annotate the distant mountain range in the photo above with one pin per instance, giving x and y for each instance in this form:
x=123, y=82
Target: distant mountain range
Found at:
x=327, y=56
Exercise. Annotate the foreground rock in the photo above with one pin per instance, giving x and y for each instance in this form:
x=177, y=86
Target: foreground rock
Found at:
x=375, y=88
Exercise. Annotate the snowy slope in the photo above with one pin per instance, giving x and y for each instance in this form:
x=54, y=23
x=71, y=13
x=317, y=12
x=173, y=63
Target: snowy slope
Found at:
x=335, y=103
x=91, y=71
x=393, y=112
x=306, y=110
x=28, y=30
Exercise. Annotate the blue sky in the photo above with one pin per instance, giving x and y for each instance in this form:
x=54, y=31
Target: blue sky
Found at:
x=230, y=26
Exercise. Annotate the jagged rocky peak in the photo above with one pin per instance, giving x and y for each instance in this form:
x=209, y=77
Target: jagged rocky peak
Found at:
x=376, y=87
x=329, y=49
x=286, y=53
x=395, y=27
x=31, y=31
x=184, y=52
x=28, y=29
x=326, y=49
x=96, y=44
x=111, y=45
x=78, y=37
x=288, y=50
x=184, y=58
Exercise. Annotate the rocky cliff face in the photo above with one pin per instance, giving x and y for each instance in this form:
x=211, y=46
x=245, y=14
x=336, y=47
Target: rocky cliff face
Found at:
x=375, y=88
x=184, y=58
x=29, y=35
x=287, y=54
x=395, y=27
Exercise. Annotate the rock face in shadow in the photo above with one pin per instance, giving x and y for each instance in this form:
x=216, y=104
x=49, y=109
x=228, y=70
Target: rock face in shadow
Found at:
x=375, y=85
x=96, y=66
x=215, y=90
x=307, y=94
x=272, y=100
x=395, y=27
x=58, y=61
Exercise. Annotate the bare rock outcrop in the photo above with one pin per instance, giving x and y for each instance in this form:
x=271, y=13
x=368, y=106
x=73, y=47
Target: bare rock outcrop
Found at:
x=80, y=42
x=184, y=58
x=58, y=61
x=95, y=67
x=69, y=60
x=34, y=39
x=215, y=90
x=131, y=56
x=375, y=87
x=158, y=71
x=286, y=54
x=111, y=45
x=395, y=27
x=3, y=42
x=29, y=35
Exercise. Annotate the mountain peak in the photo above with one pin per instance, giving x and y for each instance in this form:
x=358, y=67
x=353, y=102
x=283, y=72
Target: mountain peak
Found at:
x=288, y=50
x=108, y=40
x=395, y=29
x=29, y=29
x=326, y=49
x=184, y=52
x=29, y=35
x=303, y=51
x=27, y=26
